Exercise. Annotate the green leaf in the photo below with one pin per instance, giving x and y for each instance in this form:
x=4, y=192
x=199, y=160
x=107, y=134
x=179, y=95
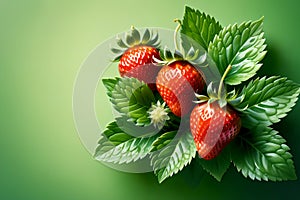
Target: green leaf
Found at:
x=265, y=101
x=217, y=166
x=110, y=84
x=263, y=155
x=130, y=97
x=130, y=127
x=163, y=140
x=241, y=46
x=174, y=156
x=117, y=146
x=200, y=27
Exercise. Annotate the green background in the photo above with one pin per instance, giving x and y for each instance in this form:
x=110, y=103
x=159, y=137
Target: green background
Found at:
x=43, y=43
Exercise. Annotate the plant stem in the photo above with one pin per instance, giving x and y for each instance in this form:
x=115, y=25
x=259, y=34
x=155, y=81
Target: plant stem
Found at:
x=176, y=32
x=222, y=80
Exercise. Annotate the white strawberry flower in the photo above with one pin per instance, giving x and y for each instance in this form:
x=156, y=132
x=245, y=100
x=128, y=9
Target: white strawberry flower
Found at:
x=158, y=114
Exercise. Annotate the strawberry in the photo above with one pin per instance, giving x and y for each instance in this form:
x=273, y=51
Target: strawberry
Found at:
x=213, y=128
x=138, y=62
x=137, y=56
x=177, y=83
x=213, y=123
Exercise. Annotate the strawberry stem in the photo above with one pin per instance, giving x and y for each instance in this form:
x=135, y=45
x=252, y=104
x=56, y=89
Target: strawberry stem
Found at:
x=222, y=80
x=176, y=32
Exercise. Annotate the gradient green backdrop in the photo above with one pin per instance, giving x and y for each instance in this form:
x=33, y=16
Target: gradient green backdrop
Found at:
x=42, y=45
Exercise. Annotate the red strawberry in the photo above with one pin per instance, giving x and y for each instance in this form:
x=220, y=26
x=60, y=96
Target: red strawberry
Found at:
x=138, y=62
x=213, y=128
x=177, y=83
x=137, y=56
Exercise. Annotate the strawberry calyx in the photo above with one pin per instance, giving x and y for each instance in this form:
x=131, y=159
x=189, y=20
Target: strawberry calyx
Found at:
x=192, y=55
x=219, y=95
x=188, y=53
x=135, y=38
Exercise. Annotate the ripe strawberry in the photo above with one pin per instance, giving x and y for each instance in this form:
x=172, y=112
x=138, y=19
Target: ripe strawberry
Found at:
x=137, y=56
x=138, y=62
x=177, y=84
x=213, y=128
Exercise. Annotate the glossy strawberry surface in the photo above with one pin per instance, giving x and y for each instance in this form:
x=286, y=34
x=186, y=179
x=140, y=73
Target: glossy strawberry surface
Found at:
x=138, y=62
x=213, y=128
x=177, y=84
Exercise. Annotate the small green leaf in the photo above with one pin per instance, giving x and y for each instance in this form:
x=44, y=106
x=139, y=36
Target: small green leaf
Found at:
x=266, y=100
x=174, y=156
x=163, y=140
x=117, y=146
x=109, y=84
x=263, y=155
x=128, y=126
x=130, y=97
x=200, y=27
x=241, y=46
x=217, y=166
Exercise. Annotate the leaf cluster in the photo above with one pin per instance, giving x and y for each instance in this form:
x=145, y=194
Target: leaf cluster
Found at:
x=258, y=152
